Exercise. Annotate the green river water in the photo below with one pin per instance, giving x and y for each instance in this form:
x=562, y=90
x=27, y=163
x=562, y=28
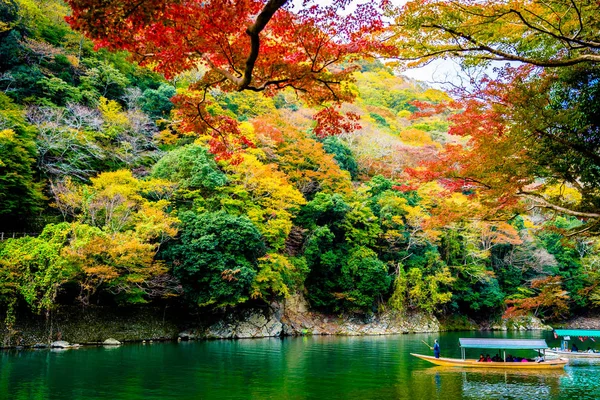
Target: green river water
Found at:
x=292, y=368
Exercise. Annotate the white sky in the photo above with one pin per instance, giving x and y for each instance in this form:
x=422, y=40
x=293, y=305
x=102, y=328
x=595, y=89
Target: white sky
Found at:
x=434, y=73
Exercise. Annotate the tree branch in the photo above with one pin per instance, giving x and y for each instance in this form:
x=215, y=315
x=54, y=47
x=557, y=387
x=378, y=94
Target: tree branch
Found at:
x=504, y=56
x=253, y=31
x=543, y=203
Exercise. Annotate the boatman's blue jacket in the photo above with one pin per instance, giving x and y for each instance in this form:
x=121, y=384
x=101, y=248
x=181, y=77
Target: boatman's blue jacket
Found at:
x=436, y=350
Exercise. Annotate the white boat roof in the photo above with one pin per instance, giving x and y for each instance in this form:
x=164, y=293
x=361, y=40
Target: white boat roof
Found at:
x=577, y=332
x=481, y=343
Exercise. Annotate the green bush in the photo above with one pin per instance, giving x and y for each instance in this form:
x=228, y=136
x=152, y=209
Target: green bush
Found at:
x=216, y=257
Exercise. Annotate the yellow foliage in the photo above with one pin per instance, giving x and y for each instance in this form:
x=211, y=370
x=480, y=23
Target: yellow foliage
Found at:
x=528, y=223
x=74, y=61
x=415, y=137
x=404, y=114
x=167, y=136
x=272, y=197
x=429, y=193
x=272, y=268
x=112, y=112
x=436, y=96
x=564, y=194
x=7, y=134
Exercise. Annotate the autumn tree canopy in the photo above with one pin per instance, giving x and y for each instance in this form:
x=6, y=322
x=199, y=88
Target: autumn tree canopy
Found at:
x=543, y=33
x=251, y=45
x=531, y=132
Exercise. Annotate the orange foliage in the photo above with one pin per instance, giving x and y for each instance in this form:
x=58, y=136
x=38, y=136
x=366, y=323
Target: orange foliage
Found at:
x=303, y=159
x=552, y=300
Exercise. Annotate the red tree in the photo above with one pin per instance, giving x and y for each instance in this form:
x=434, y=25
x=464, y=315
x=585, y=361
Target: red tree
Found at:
x=252, y=45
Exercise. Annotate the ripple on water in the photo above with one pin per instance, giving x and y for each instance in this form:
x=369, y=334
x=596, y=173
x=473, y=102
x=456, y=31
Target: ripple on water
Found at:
x=294, y=368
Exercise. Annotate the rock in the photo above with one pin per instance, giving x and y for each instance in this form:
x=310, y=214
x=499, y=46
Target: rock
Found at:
x=254, y=323
x=526, y=323
x=111, y=342
x=40, y=346
x=189, y=334
x=60, y=344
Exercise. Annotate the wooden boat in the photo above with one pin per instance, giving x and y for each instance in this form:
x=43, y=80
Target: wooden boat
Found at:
x=502, y=344
x=472, y=363
x=566, y=334
x=573, y=354
x=502, y=372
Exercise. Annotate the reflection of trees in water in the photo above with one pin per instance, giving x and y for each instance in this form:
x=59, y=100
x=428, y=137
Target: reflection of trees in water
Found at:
x=511, y=384
x=580, y=381
x=497, y=384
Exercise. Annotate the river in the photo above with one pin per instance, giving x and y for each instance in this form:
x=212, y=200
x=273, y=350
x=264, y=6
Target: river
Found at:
x=292, y=368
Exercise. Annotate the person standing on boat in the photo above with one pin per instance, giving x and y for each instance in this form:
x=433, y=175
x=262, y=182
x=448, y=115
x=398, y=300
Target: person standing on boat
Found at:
x=436, y=349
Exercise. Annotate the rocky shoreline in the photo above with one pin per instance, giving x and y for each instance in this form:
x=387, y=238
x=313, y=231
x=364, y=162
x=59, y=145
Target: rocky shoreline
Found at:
x=98, y=326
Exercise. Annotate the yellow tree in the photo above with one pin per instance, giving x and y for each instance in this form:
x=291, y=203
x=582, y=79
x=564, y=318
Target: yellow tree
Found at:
x=117, y=233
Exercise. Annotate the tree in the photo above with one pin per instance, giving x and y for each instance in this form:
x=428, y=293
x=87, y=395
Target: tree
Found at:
x=264, y=194
x=252, y=45
x=543, y=33
x=342, y=154
x=21, y=195
x=216, y=258
x=303, y=159
x=191, y=168
x=517, y=124
x=515, y=127
x=547, y=298
x=120, y=224
x=33, y=268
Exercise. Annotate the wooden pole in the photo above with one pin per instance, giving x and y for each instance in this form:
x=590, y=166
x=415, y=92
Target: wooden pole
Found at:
x=427, y=344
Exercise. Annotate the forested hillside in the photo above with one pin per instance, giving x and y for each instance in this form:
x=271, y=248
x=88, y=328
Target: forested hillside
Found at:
x=118, y=194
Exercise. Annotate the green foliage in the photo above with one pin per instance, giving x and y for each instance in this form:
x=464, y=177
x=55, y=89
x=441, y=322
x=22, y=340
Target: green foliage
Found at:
x=104, y=78
x=21, y=194
x=364, y=280
x=277, y=275
x=342, y=154
x=379, y=119
x=11, y=49
x=58, y=91
x=415, y=289
x=157, y=102
x=568, y=260
x=216, y=258
x=192, y=167
x=33, y=268
x=344, y=272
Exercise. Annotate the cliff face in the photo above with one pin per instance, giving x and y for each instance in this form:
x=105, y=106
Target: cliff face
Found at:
x=292, y=317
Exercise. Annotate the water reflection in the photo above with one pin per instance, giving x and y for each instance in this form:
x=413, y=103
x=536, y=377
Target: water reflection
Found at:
x=501, y=384
x=296, y=368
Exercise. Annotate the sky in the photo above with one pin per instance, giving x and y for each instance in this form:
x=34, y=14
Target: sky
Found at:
x=435, y=74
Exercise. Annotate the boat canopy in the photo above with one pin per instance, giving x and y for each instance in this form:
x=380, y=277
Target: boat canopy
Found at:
x=505, y=344
x=577, y=332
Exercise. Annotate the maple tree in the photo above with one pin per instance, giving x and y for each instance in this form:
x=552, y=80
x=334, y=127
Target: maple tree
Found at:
x=531, y=132
x=529, y=135
x=543, y=33
x=119, y=229
x=248, y=45
x=547, y=295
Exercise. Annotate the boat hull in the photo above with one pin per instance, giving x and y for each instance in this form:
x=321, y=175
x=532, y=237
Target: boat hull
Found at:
x=470, y=363
x=569, y=354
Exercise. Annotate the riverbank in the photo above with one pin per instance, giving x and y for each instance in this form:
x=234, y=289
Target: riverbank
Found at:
x=93, y=325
